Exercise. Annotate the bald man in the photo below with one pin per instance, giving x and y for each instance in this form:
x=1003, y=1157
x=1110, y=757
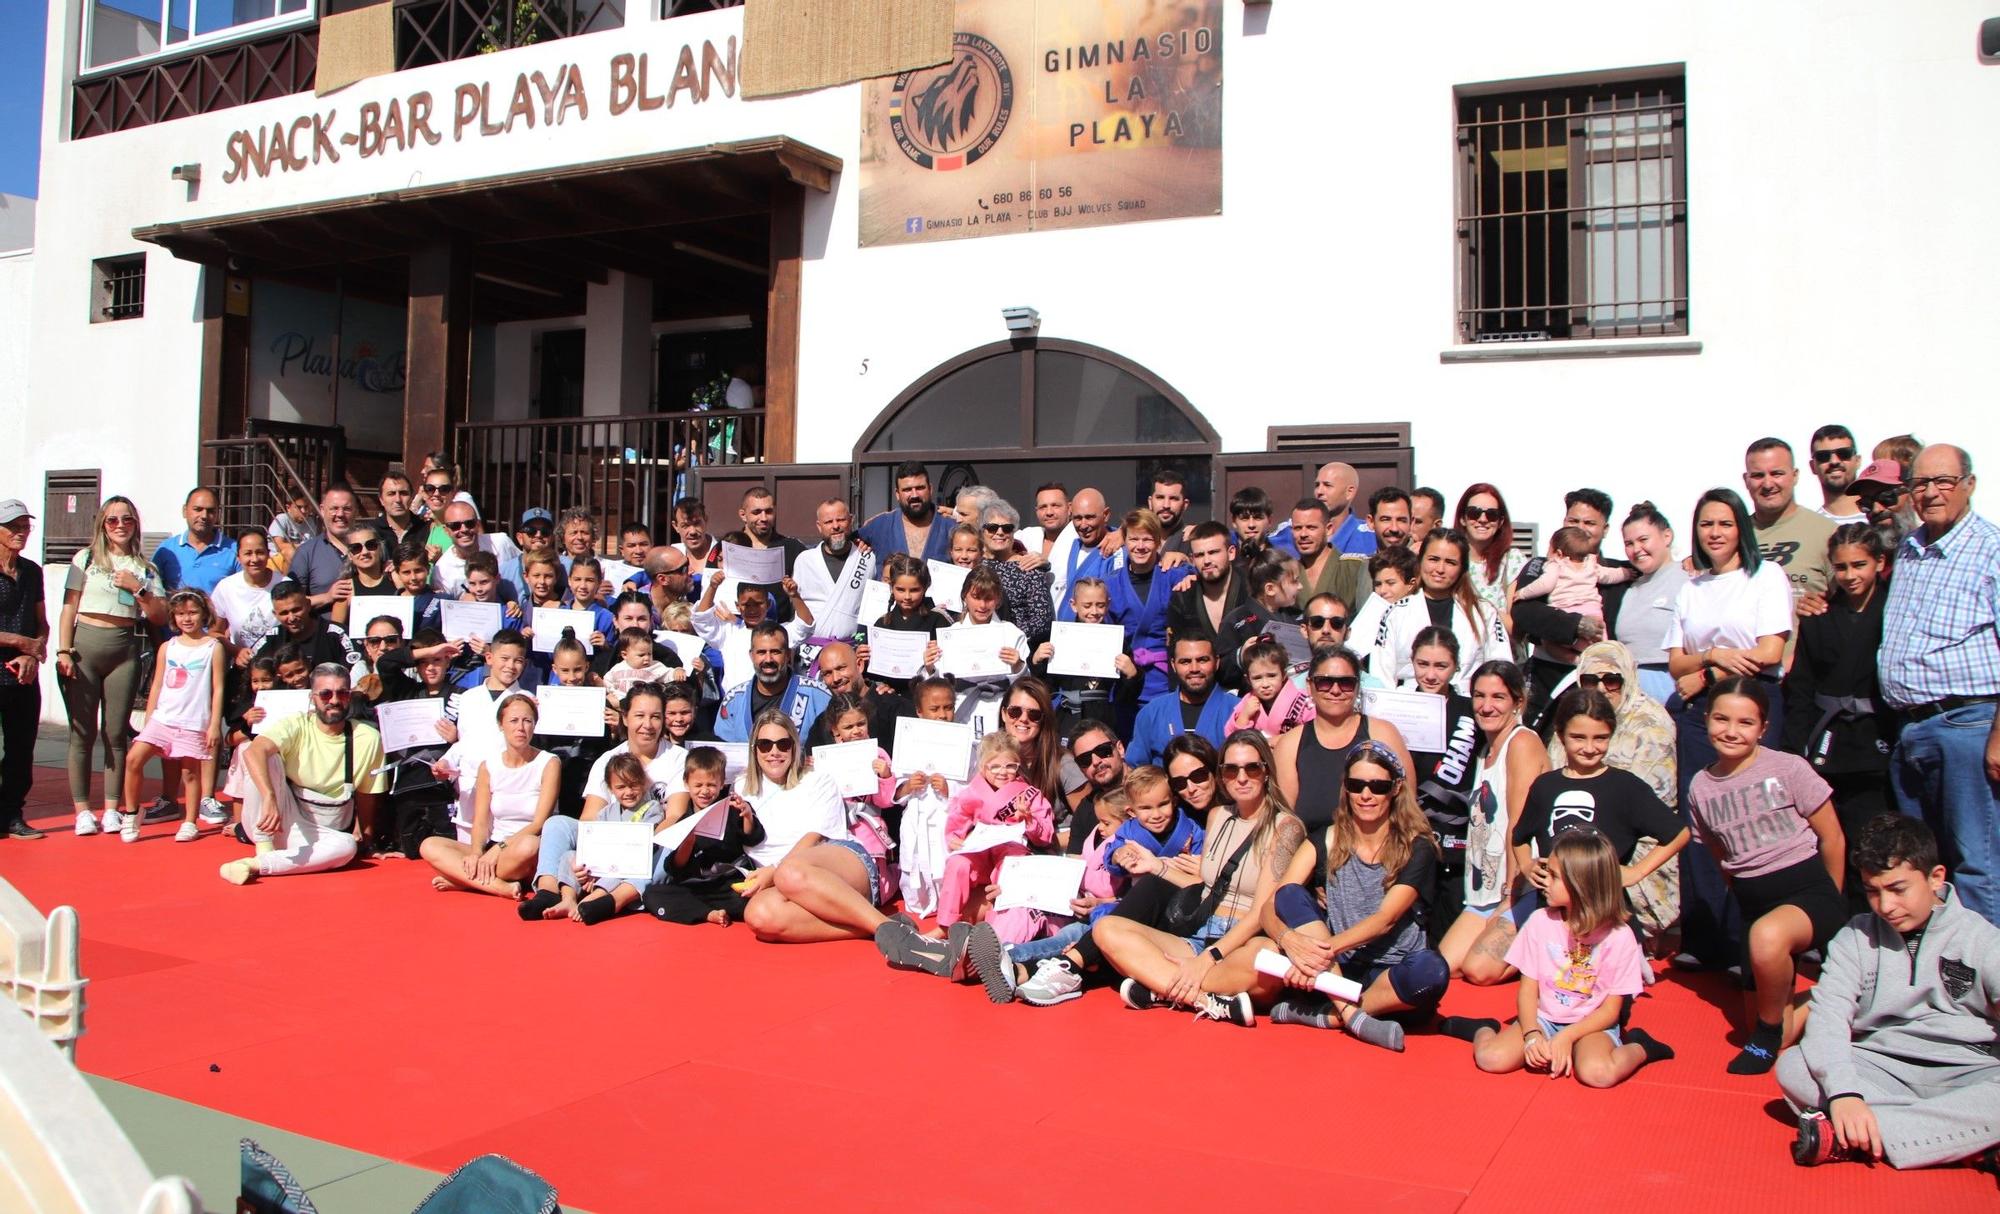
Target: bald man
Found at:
x=1079, y=551
x=838, y=669
x=1335, y=487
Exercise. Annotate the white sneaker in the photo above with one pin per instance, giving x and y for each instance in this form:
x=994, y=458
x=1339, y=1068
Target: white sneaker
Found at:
x=1230, y=1009
x=213, y=812
x=1055, y=981
x=114, y=821
x=188, y=833
x=129, y=831
x=86, y=822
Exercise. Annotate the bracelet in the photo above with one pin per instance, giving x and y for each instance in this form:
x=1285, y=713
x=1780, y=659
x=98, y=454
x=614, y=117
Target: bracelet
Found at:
x=1536, y=1032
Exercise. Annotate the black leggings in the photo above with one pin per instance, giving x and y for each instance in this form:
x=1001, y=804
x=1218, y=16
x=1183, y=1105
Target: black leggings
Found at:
x=672, y=903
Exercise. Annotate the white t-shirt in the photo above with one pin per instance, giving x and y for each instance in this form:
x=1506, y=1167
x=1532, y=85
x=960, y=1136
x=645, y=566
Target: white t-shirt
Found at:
x=1731, y=610
x=665, y=770
x=812, y=806
x=247, y=609
x=448, y=575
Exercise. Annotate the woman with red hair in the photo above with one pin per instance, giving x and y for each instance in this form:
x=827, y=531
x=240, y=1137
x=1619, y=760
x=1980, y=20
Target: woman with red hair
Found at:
x=1484, y=519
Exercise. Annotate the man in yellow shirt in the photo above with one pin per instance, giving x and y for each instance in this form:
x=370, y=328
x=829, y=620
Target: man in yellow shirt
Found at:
x=314, y=778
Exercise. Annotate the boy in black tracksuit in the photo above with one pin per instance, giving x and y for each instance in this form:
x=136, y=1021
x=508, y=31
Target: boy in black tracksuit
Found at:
x=699, y=878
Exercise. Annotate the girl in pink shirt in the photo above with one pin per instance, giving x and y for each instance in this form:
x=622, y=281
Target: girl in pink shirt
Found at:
x=1579, y=963
x=997, y=796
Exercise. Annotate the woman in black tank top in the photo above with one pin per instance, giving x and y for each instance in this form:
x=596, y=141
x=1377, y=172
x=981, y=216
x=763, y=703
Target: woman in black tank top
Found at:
x=1311, y=759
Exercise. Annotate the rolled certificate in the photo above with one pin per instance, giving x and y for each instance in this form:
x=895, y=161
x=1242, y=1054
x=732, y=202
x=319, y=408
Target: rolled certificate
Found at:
x=1276, y=964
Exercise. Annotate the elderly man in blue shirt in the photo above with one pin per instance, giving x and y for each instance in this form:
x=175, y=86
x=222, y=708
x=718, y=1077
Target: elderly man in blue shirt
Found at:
x=1940, y=669
x=201, y=556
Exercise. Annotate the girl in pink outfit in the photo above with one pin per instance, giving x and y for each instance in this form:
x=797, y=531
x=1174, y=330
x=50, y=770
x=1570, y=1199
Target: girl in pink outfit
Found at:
x=1275, y=704
x=1569, y=581
x=997, y=796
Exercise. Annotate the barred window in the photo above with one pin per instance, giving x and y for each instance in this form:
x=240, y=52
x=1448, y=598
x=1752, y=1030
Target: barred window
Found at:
x=118, y=287
x=1572, y=212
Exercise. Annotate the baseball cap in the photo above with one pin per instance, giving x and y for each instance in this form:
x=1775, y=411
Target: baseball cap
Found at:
x=535, y=514
x=13, y=508
x=1880, y=472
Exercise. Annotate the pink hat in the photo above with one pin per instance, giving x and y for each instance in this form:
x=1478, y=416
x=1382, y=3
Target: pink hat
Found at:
x=1880, y=472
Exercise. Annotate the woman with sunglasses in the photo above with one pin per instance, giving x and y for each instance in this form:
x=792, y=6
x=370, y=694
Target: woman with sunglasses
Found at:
x=814, y=882
x=1353, y=902
x=367, y=568
x=1028, y=712
x=1252, y=839
x=1025, y=593
x=109, y=596
x=1310, y=758
x=1497, y=902
x=1445, y=598
x=1494, y=563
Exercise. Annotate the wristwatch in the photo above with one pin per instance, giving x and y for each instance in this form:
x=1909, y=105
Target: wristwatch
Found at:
x=1214, y=955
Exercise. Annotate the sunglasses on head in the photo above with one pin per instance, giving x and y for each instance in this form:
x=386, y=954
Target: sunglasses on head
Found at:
x=1380, y=788
x=1178, y=783
x=1326, y=621
x=1334, y=682
x=1482, y=514
x=1017, y=711
x=1103, y=750
x=766, y=745
x=1833, y=453
x=1610, y=680
x=1254, y=770
x=333, y=695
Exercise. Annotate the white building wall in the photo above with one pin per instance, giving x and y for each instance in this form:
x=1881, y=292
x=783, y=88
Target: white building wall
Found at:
x=1841, y=178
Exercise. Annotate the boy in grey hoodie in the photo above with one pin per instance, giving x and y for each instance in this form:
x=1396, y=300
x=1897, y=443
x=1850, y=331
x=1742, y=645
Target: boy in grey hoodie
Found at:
x=1901, y=1053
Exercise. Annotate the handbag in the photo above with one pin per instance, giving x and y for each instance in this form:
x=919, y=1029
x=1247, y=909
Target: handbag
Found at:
x=1192, y=906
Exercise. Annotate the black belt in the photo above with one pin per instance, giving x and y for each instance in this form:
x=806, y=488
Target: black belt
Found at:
x=1924, y=712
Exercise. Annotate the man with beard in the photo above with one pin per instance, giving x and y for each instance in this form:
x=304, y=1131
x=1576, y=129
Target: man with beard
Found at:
x=1589, y=511
x=320, y=564
x=839, y=670
x=1335, y=486
x=668, y=578
x=759, y=513
x=399, y=514
x=1199, y=707
x=773, y=686
x=1790, y=538
x=914, y=526
x=1100, y=756
x=1882, y=492
x=314, y=778
x=1201, y=602
x=1322, y=570
x=831, y=576
x=1389, y=517
x=1168, y=502
x=1835, y=460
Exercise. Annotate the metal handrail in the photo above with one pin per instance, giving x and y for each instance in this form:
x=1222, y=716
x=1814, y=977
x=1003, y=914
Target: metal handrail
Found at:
x=256, y=466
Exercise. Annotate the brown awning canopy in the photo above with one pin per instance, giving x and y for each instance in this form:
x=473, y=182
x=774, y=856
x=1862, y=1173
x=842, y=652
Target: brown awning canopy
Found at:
x=689, y=185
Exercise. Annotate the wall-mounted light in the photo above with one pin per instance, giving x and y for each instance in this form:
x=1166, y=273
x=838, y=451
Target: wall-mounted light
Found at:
x=1989, y=38
x=190, y=173
x=1021, y=322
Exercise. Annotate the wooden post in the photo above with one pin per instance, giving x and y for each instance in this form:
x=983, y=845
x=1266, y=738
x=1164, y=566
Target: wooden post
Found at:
x=225, y=357
x=781, y=323
x=440, y=348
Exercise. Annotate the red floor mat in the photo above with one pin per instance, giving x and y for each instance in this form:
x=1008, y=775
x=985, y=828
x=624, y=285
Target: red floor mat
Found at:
x=641, y=1067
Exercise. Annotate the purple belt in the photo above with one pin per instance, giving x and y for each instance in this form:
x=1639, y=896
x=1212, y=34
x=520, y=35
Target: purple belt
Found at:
x=1155, y=658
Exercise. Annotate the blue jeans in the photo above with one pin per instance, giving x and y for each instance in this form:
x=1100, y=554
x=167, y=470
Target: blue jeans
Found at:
x=558, y=844
x=1036, y=951
x=1939, y=774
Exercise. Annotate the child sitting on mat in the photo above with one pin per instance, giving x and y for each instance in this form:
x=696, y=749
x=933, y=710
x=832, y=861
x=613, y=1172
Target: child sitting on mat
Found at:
x=696, y=884
x=563, y=891
x=1578, y=964
x=1898, y=1060
x=996, y=796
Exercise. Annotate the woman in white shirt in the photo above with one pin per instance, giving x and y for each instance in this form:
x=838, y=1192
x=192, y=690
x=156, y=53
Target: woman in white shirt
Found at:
x=1732, y=618
x=242, y=601
x=1446, y=598
x=813, y=882
x=513, y=794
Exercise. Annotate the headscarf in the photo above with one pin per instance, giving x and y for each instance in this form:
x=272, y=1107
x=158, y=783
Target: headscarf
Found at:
x=1643, y=740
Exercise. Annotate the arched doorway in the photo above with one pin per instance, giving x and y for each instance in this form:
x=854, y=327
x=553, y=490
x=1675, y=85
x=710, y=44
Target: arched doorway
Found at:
x=1014, y=415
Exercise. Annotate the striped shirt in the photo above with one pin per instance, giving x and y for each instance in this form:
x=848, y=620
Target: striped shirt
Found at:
x=1939, y=635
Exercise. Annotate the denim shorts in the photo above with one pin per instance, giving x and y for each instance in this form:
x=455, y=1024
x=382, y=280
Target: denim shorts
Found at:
x=1215, y=929
x=877, y=895
x=1550, y=1028
x=1529, y=901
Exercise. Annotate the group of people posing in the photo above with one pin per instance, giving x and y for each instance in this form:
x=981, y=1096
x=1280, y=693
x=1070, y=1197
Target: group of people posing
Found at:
x=1773, y=752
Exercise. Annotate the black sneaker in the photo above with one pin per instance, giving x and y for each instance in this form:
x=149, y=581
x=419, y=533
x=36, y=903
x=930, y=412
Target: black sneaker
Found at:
x=237, y=833
x=1816, y=1143
x=1138, y=997
x=1229, y=1009
x=905, y=948
x=21, y=830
